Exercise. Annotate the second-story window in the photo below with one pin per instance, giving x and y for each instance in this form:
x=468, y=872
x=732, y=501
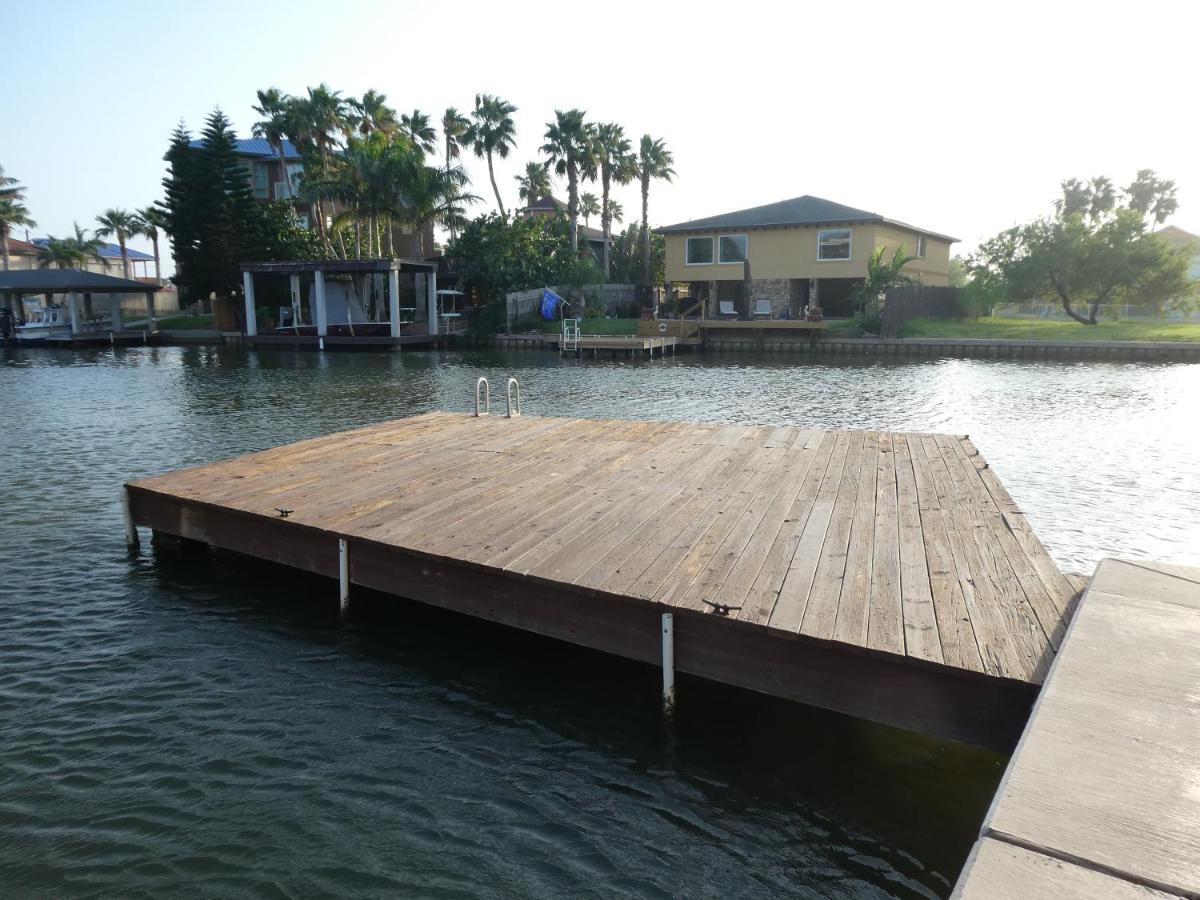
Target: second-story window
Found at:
x=833, y=244
x=733, y=248
x=921, y=246
x=260, y=181
x=699, y=251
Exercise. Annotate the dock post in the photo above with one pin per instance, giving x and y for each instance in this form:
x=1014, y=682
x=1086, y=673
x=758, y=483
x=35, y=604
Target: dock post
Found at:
x=668, y=662
x=131, y=532
x=322, y=312
x=343, y=576
x=248, y=299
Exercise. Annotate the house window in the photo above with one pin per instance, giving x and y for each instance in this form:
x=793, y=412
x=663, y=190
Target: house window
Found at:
x=699, y=251
x=295, y=170
x=833, y=244
x=733, y=248
x=920, y=246
x=260, y=181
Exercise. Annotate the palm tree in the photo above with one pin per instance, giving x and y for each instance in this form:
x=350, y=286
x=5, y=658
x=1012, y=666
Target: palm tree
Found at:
x=883, y=274
x=492, y=133
x=617, y=164
x=122, y=224
x=317, y=120
x=418, y=130
x=535, y=183
x=150, y=220
x=72, y=252
x=616, y=212
x=654, y=161
x=372, y=113
x=13, y=213
x=274, y=107
x=455, y=127
x=588, y=207
x=570, y=144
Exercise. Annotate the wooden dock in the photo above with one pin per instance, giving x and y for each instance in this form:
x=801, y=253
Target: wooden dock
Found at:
x=887, y=576
x=1101, y=799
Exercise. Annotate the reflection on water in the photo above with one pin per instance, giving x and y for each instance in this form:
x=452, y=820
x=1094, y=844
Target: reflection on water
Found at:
x=180, y=724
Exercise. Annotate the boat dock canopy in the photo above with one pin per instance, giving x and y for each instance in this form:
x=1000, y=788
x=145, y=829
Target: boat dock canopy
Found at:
x=340, y=266
x=887, y=576
x=65, y=281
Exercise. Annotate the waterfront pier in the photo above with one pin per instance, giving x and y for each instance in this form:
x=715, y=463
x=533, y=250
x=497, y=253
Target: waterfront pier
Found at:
x=886, y=576
x=1100, y=798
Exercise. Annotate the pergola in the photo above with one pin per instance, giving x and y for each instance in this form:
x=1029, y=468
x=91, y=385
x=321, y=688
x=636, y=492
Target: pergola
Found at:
x=320, y=268
x=76, y=284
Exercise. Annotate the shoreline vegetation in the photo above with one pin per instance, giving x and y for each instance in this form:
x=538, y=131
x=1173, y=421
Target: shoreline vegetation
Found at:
x=995, y=328
x=1002, y=328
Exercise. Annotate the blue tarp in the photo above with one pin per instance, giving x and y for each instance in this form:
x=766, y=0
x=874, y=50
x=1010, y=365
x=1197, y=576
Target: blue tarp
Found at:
x=550, y=301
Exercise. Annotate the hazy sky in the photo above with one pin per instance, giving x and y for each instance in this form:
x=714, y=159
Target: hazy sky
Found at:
x=961, y=118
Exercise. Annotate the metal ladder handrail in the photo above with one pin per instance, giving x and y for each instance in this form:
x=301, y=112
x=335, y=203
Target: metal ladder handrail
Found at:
x=508, y=393
x=487, y=397
x=570, y=334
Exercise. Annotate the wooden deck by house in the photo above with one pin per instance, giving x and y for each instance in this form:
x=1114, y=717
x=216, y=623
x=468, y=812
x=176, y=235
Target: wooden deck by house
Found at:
x=888, y=576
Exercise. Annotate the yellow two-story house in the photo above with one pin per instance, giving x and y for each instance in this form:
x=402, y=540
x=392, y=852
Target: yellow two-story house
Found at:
x=804, y=251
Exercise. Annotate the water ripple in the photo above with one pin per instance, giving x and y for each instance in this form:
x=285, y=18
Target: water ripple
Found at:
x=197, y=727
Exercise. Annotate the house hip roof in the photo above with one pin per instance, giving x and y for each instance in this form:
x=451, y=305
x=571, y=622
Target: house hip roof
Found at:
x=799, y=211
x=108, y=250
x=259, y=148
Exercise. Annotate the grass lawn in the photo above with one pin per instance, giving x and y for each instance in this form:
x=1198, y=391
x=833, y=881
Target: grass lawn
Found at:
x=592, y=326
x=1049, y=330
x=187, y=323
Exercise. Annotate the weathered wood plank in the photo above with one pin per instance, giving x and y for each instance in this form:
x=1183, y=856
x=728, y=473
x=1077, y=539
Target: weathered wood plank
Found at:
x=885, y=625
x=921, y=637
x=820, y=613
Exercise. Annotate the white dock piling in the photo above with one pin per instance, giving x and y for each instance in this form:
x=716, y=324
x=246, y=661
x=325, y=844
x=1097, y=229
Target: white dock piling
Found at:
x=668, y=662
x=343, y=576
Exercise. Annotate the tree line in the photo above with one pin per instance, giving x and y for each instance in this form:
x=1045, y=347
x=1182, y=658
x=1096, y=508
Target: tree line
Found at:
x=359, y=153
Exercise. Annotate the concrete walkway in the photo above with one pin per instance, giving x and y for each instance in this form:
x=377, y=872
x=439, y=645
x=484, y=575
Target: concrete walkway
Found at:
x=1102, y=796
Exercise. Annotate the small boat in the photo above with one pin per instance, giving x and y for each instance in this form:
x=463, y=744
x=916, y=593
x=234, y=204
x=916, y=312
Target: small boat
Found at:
x=44, y=324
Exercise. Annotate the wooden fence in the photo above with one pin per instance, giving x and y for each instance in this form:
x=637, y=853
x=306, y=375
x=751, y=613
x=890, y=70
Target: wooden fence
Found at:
x=918, y=300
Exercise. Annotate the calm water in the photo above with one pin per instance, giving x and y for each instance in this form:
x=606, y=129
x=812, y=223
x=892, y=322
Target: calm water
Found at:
x=206, y=726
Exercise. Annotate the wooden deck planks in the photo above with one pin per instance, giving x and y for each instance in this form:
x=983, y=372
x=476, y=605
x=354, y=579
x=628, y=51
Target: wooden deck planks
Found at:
x=921, y=637
x=885, y=619
x=821, y=610
x=906, y=545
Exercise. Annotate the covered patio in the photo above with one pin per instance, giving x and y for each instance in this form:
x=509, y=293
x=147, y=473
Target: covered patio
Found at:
x=358, y=301
x=77, y=288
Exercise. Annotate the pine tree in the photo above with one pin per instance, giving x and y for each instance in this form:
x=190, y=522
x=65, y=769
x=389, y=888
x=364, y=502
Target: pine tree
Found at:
x=178, y=206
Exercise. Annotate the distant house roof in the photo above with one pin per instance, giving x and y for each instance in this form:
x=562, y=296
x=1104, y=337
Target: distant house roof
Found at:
x=548, y=202
x=21, y=248
x=259, y=148
x=553, y=204
x=806, y=210
x=59, y=281
x=107, y=251
x=1177, y=237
